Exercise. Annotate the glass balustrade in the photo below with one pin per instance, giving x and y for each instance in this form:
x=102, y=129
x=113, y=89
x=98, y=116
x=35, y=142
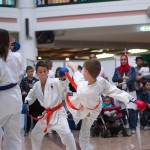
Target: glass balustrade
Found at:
x=41, y=3
x=7, y=3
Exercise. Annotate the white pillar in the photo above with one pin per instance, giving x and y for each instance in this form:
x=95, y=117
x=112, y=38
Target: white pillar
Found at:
x=28, y=44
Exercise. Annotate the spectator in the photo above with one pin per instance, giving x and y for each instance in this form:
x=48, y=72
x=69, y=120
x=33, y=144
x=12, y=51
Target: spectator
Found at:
x=125, y=76
x=139, y=78
x=107, y=102
x=102, y=72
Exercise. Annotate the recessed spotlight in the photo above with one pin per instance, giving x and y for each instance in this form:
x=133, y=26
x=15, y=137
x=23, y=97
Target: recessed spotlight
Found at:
x=67, y=59
x=39, y=58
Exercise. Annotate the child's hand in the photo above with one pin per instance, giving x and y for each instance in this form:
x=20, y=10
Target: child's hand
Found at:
x=126, y=78
x=120, y=84
x=148, y=105
x=73, y=66
x=24, y=93
x=70, y=64
x=27, y=107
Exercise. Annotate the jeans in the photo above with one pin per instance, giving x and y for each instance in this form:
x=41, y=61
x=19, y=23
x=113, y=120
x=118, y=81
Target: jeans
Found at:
x=132, y=118
x=144, y=118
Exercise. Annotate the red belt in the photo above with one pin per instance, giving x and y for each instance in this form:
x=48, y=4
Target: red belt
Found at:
x=67, y=95
x=49, y=113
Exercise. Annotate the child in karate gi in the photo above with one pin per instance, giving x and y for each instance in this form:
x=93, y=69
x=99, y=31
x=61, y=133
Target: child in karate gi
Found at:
x=10, y=94
x=49, y=91
x=86, y=103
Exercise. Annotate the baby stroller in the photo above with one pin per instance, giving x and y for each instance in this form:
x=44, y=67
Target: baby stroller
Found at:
x=109, y=126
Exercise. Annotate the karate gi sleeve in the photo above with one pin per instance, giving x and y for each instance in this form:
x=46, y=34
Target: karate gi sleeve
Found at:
x=78, y=77
x=112, y=91
x=62, y=85
x=31, y=97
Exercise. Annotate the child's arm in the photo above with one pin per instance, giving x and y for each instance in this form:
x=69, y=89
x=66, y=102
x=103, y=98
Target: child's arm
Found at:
x=31, y=97
x=114, y=92
x=140, y=71
x=73, y=67
x=78, y=77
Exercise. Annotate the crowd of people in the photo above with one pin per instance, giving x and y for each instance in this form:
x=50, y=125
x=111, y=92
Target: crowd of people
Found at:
x=41, y=92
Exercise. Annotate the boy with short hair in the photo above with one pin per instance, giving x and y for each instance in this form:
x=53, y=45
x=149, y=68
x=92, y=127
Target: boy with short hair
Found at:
x=86, y=103
x=49, y=91
x=35, y=109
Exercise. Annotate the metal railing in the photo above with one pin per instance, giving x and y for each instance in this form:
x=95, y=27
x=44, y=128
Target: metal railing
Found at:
x=44, y=3
x=7, y=3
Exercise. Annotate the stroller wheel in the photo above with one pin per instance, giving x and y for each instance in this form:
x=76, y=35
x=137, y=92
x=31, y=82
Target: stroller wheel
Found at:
x=94, y=132
x=126, y=132
x=105, y=133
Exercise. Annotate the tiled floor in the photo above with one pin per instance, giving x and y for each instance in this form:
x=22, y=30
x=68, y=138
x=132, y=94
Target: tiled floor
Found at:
x=138, y=141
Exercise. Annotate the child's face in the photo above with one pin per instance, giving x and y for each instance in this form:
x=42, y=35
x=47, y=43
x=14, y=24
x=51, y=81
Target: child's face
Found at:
x=30, y=73
x=107, y=101
x=147, y=86
x=42, y=73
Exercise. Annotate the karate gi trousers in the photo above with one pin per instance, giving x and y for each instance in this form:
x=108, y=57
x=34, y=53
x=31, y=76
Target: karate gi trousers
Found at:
x=61, y=127
x=12, y=126
x=84, y=136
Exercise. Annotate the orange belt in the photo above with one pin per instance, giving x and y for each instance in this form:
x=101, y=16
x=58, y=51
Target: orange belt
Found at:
x=49, y=113
x=67, y=95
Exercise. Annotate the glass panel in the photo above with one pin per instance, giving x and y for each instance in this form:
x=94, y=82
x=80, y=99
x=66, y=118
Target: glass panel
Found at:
x=49, y=2
x=8, y=2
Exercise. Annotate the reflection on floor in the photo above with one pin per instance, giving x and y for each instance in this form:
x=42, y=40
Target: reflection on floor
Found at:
x=138, y=141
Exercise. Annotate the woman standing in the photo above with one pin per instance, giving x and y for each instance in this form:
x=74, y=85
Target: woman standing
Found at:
x=125, y=76
x=10, y=94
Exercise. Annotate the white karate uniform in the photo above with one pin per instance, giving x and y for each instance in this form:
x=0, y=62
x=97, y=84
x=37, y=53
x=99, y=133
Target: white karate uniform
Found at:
x=52, y=97
x=89, y=96
x=11, y=101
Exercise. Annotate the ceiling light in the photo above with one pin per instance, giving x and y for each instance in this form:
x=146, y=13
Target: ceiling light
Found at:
x=145, y=28
x=67, y=59
x=134, y=51
x=39, y=58
x=104, y=55
x=97, y=50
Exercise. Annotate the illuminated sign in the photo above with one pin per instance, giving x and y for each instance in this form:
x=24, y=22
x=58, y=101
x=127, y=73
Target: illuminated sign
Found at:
x=145, y=28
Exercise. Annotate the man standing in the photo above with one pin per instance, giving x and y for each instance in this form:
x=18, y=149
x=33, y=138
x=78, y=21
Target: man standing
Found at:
x=139, y=78
x=102, y=72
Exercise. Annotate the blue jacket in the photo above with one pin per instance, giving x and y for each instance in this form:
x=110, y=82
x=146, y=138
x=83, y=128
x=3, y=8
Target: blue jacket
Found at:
x=130, y=82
